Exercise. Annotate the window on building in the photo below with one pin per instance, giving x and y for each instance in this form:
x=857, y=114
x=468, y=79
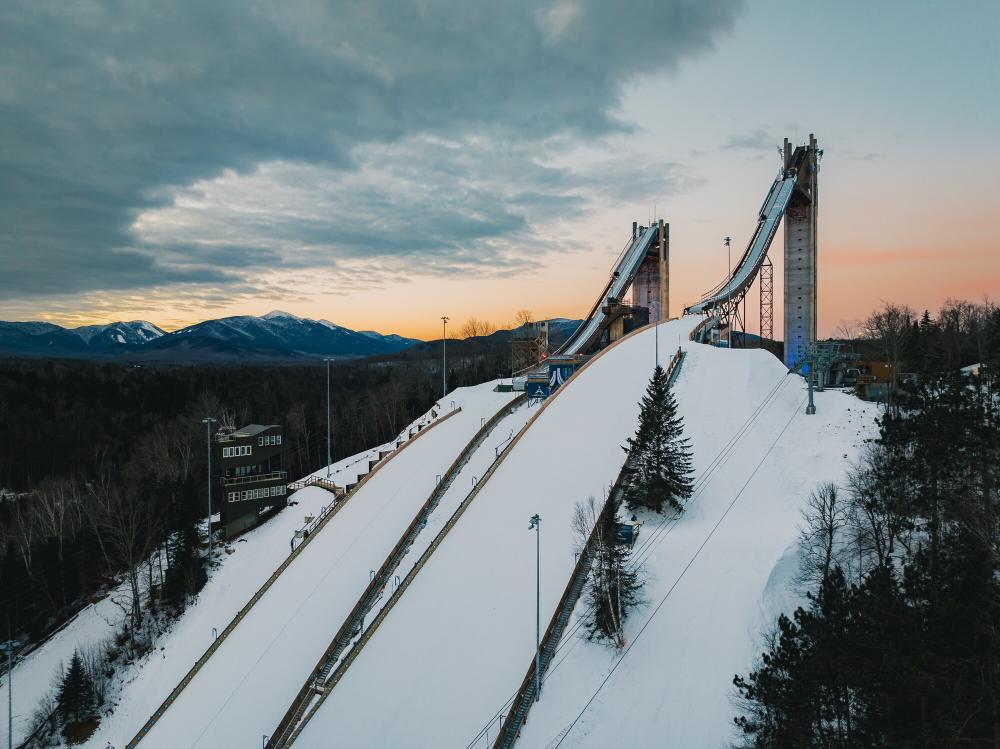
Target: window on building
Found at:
x=260, y=442
x=279, y=439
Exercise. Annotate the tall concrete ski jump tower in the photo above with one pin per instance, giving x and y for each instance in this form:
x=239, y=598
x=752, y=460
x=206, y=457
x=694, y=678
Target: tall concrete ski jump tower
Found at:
x=800, y=250
x=651, y=287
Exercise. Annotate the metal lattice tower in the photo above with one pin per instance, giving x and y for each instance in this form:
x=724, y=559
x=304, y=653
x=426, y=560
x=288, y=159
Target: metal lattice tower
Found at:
x=766, y=302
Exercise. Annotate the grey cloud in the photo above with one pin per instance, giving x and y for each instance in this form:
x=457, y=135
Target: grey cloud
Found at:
x=756, y=140
x=109, y=109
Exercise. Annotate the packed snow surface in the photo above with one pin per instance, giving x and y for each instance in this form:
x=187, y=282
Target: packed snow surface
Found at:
x=448, y=658
x=245, y=687
x=675, y=683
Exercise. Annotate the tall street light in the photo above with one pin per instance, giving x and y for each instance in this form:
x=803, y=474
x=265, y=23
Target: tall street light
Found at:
x=9, y=647
x=729, y=293
x=536, y=525
x=208, y=420
x=329, y=460
x=444, y=357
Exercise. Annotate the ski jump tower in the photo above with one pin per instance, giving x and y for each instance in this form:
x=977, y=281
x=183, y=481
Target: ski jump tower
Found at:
x=794, y=196
x=800, y=250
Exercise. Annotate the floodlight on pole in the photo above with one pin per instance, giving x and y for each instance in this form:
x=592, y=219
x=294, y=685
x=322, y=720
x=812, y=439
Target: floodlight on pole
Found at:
x=9, y=647
x=444, y=356
x=329, y=450
x=536, y=525
x=729, y=292
x=208, y=421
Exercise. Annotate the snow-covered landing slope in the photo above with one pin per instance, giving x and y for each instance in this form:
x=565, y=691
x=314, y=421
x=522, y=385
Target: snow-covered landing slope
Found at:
x=674, y=687
x=459, y=640
x=234, y=579
x=243, y=690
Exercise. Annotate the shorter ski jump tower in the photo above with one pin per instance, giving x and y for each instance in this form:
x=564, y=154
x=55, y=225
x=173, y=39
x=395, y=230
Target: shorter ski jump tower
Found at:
x=795, y=196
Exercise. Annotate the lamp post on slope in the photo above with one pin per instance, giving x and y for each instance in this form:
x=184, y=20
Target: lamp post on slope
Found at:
x=329, y=459
x=9, y=647
x=444, y=358
x=536, y=525
x=729, y=293
x=208, y=420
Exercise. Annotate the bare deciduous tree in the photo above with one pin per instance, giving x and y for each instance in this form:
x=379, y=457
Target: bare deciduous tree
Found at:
x=474, y=327
x=824, y=518
x=127, y=530
x=523, y=317
x=889, y=328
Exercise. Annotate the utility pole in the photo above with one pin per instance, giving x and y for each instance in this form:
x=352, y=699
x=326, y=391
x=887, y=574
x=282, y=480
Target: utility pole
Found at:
x=729, y=293
x=536, y=524
x=444, y=357
x=9, y=647
x=208, y=441
x=329, y=451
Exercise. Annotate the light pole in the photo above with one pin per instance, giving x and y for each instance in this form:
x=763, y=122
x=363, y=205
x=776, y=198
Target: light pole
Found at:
x=536, y=524
x=9, y=647
x=729, y=293
x=444, y=357
x=208, y=420
x=329, y=459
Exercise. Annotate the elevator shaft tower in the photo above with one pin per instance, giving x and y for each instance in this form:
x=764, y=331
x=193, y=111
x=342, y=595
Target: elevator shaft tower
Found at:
x=801, y=250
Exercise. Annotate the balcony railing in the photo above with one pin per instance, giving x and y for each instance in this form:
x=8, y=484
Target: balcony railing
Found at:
x=254, y=478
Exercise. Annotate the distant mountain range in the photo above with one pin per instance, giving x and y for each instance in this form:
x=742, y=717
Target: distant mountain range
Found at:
x=277, y=337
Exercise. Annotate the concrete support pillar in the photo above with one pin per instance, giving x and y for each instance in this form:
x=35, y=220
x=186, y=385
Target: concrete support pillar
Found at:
x=616, y=330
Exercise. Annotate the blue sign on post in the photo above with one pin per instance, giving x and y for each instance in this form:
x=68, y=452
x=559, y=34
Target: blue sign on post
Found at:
x=559, y=373
x=538, y=389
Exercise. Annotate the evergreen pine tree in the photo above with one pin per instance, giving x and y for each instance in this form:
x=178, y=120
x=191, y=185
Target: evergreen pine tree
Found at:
x=659, y=456
x=614, y=581
x=76, y=701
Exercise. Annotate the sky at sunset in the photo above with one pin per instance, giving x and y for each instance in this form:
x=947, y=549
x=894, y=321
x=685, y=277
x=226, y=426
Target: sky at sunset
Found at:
x=381, y=164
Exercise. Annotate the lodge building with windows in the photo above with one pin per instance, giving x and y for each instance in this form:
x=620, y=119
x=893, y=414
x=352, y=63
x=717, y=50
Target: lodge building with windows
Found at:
x=251, y=481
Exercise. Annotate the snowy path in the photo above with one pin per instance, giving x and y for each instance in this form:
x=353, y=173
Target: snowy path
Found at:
x=458, y=641
x=675, y=683
x=243, y=690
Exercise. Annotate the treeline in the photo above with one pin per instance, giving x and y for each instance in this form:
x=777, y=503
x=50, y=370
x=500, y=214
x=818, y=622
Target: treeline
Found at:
x=899, y=644
x=963, y=333
x=103, y=465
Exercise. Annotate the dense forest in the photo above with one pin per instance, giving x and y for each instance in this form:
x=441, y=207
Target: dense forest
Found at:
x=103, y=466
x=898, y=644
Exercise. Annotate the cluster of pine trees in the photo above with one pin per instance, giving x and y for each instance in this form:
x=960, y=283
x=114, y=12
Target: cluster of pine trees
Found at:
x=899, y=645
x=657, y=476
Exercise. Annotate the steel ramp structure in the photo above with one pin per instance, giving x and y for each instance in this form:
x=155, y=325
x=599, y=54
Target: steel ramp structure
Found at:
x=732, y=290
x=590, y=330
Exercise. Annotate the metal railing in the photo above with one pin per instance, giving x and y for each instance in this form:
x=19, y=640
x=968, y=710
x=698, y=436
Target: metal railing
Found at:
x=254, y=478
x=319, y=680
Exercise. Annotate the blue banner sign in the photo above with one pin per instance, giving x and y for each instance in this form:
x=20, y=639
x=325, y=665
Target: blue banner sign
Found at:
x=559, y=373
x=538, y=389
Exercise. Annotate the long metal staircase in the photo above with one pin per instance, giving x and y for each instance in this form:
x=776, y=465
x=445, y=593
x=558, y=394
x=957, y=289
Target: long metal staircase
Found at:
x=319, y=680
